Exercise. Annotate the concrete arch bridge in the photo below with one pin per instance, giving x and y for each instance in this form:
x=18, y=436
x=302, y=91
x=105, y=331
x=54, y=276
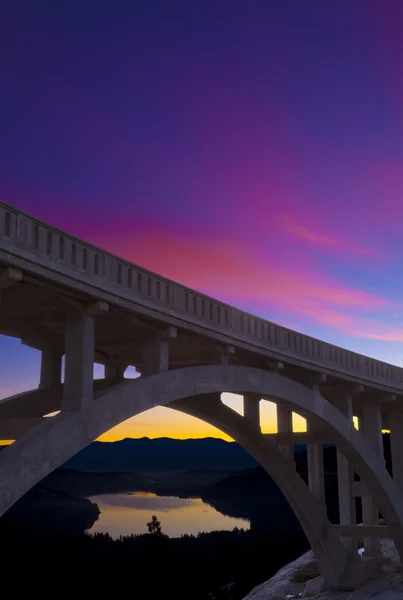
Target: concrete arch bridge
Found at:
x=63, y=296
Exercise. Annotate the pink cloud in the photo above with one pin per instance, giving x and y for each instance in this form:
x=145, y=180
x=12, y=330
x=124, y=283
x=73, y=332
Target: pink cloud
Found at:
x=374, y=332
x=226, y=270
x=322, y=239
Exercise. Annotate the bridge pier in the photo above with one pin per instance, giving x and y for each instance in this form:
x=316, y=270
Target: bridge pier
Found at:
x=395, y=425
x=251, y=409
x=370, y=424
x=79, y=362
x=51, y=368
x=115, y=372
x=316, y=469
x=284, y=425
x=345, y=478
x=156, y=352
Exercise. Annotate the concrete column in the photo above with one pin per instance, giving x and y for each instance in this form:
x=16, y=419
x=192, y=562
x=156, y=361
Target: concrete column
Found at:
x=284, y=425
x=370, y=425
x=395, y=425
x=155, y=357
x=51, y=369
x=222, y=355
x=79, y=362
x=251, y=409
x=316, y=470
x=345, y=475
x=116, y=372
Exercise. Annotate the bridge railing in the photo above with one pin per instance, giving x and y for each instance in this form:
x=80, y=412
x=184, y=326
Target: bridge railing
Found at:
x=64, y=253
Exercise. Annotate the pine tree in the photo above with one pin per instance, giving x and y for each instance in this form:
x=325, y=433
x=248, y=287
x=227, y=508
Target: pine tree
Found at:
x=154, y=526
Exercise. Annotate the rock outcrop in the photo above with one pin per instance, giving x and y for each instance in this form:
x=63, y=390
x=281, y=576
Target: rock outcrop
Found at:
x=301, y=579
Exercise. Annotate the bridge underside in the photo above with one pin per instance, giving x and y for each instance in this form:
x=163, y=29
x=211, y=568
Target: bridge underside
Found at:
x=44, y=443
x=39, y=314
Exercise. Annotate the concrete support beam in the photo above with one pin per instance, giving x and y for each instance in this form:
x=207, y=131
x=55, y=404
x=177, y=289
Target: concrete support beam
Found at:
x=251, y=409
x=284, y=426
x=51, y=369
x=274, y=365
x=359, y=490
x=395, y=423
x=359, y=531
x=356, y=389
x=156, y=353
x=345, y=472
x=96, y=309
x=370, y=425
x=387, y=399
x=155, y=357
x=79, y=362
x=318, y=379
x=225, y=353
x=316, y=470
x=9, y=277
x=293, y=438
x=115, y=372
x=75, y=308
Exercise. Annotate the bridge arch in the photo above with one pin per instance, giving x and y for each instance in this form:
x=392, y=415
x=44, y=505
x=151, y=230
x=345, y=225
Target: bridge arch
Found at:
x=330, y=553
x=45, y=447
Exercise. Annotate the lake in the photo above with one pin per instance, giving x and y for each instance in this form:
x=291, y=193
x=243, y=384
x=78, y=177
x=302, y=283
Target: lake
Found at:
x=126, y=514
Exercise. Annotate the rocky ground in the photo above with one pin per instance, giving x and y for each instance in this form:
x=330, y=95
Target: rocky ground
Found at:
x=301, y=579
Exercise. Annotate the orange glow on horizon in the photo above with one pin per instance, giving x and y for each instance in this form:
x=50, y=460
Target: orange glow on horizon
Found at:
x=118, y=433
x=164, y=422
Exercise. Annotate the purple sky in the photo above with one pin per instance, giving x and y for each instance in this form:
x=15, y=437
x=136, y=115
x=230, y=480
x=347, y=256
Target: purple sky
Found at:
x=250, y=149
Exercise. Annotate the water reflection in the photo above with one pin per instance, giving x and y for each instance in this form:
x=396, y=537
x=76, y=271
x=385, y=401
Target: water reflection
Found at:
x=124, y=514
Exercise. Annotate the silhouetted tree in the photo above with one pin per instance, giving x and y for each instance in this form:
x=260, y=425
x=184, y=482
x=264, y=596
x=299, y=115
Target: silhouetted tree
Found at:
x=154, y=526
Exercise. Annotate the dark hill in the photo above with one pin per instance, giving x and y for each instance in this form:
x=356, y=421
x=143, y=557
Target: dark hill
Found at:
x=253, y=493
x=161, y=454
x=91, y=483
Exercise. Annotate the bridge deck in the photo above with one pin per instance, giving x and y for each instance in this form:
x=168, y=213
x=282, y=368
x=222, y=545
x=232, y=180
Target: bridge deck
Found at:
x=59, y=268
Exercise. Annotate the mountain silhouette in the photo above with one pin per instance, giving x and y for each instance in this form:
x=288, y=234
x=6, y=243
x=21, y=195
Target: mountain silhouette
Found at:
x=146, y=455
